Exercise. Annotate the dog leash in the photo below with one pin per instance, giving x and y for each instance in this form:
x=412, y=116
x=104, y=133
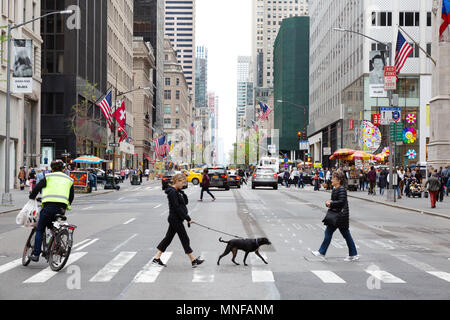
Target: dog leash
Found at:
x=217, y=230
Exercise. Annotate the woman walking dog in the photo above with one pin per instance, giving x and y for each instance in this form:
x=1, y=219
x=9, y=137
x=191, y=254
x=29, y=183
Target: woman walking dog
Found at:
x=178, y=212
x=337, y=218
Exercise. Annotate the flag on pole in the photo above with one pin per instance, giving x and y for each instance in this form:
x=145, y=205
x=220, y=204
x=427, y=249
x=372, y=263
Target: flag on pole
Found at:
x=121, y=117
x=265, y=111
x=255, y=126
x=160, y=147
x=443, y=34
x=192, y=129
x=106, y=105
x=402, y=52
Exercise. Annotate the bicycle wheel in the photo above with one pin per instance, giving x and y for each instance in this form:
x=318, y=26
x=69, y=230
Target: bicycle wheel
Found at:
x=29, y=247
x=59, y=251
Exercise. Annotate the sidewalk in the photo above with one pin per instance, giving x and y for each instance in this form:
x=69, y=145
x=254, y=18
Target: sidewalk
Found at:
x=20, y=197
x=422, y=205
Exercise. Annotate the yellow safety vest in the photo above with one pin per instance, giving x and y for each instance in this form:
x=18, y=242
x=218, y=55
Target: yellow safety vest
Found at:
x=57, y=189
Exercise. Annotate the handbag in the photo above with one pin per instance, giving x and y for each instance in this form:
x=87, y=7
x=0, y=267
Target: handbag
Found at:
x=331, y=218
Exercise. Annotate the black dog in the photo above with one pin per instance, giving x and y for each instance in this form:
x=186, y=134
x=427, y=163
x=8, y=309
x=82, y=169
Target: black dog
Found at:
x=247, y=245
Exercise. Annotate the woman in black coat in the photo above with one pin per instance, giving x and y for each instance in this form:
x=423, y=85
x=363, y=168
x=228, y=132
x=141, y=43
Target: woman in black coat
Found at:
x=339, y=205
x=178, y=212
x=383, y=181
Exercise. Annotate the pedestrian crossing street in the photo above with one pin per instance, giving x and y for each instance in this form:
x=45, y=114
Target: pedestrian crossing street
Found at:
x=256, y=272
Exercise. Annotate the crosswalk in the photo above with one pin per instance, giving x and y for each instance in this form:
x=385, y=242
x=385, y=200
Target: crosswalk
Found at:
x=256, y=272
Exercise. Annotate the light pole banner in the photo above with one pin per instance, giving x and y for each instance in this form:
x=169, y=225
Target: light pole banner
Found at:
x=22, y=81
x=376, y=77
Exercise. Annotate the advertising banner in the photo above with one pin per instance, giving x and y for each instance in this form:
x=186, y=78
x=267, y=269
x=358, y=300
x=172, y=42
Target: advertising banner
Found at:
x=80, y=179
x=377, y=63
x=22, y=78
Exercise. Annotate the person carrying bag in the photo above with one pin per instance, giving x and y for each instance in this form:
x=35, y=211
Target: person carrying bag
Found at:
x=337, y=217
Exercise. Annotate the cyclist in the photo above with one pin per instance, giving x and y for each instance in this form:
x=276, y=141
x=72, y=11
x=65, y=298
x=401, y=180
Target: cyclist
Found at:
x=57, y=195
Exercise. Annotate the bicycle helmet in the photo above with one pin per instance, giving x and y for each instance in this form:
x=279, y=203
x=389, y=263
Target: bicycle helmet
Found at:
x=57, y=165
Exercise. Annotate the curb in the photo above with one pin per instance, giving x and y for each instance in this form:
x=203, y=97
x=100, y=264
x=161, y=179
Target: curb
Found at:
x=403, y=208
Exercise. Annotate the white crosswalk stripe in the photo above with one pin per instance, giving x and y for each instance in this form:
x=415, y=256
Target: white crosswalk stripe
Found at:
x=328, y=276
x=87, y=244
x=201, y=274
x=112, y=268
x=260, y=272
x=150, y=272
x=424, y=267
x=10, y=265
x=384, y=276
x=47, y=273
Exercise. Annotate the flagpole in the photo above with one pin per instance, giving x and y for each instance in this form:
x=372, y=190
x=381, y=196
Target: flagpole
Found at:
x=424, y=51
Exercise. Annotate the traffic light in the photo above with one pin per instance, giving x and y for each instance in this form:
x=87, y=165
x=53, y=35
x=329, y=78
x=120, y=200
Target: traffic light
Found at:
x=309, y=159
x=119, y=132
x=304, y=137
x=299, y=135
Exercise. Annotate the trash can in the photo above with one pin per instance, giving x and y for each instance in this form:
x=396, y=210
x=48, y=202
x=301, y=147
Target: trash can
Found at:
x=109, y=182
x=135, y=180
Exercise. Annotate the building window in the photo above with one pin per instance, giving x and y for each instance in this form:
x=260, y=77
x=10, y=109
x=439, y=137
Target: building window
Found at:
x=429, y=48
x=167, y=94
x=167, y=124
x=167, y=82
x=177, y=123
x=177, y=108
x=167, y=109
x=177, y=95
x=178, y=81
x=428, y=19
x=409, y=19
x=415, y=52
x=382, y=19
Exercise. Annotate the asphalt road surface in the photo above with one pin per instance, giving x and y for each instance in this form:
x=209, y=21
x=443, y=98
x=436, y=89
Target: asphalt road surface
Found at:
x=404, y=255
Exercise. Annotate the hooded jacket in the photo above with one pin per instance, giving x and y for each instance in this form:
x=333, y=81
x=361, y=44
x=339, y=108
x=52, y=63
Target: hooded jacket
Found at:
x=177, y=205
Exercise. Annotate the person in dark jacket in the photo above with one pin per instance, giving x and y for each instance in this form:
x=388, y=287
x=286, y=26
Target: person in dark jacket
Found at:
x=383, y=181
x=339, y=204
x=178, y=212
x=433, y=185
x=205, y=185
x=286, y=176
x=372, y=177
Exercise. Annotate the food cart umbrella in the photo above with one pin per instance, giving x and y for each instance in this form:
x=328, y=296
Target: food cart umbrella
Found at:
x=342, y=153
x=359, y=155
x=380, y=157
x=88, y=159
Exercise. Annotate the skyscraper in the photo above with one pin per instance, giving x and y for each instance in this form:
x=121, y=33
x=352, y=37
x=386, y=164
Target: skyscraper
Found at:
x=180, y=29
x=244, y=89
x=149, y=24
x=201, y=77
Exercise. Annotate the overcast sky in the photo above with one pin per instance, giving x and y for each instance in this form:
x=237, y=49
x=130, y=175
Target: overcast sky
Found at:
x=224, y=27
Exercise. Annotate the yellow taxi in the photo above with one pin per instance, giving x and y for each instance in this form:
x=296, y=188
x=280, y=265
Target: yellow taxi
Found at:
x=194, y=175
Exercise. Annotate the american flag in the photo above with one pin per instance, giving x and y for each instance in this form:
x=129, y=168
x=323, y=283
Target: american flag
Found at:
x=160, y=147
x=401, y=53
x=443, y=35
x=106, y=105
x=255, y=126
x=265, y=111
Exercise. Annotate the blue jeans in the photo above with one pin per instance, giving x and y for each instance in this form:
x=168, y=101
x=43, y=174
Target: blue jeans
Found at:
x=206, y=189
x=300, y=182
x=347, y=236
x=286, y=181
x=46, y=217
x=381, y=191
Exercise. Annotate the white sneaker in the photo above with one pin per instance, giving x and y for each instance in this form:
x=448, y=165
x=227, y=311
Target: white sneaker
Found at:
x=318, y=254
x=352, y=258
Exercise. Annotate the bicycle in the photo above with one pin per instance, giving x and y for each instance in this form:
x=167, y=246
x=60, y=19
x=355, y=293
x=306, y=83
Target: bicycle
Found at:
x=57, y=244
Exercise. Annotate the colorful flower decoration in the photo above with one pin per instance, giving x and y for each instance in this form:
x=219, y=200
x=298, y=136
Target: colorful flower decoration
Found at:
x=412, y=154
x=409, y=135
x=385, y=150
x=370, y=136
x=411, y=118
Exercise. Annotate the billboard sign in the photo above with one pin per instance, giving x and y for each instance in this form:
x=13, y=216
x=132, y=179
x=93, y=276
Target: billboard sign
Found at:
x=22, y=65
x=376, y=76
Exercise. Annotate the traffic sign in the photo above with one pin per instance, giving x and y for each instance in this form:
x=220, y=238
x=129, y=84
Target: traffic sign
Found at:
x=396, y=131
x=304, y=145
x=390, y=78
x=388, y=114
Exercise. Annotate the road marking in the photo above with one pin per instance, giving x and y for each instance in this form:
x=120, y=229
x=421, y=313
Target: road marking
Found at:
x=120, y=199
x=159, y=205
x=80, y=243
x=262, y=275
x=131, y=220
x=112, y=268
x=423, y=266
x=384, y=245
x=310, y=226
x=87, y=244
x=336, y=244
x=10, y=265
x=321, y=226
x=328, y=276
x=123, y=243
x=201, y=275
x=87, y=208
x=297, y=226
x=343, y=243
x=150, y=272
x=148, y=188
x=385, y=276
x=367, y=244
x=47, y=273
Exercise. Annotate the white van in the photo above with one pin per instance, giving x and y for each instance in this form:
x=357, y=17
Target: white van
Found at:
x=270, y=162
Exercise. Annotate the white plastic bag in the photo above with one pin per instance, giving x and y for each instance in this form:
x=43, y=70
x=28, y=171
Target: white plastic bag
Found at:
x=29, y=215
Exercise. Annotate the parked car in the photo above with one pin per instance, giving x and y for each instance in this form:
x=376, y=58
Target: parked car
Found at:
x=101, y=176
x=265, y=177
x=218, y=178
x=233, y=179
x=165, y=181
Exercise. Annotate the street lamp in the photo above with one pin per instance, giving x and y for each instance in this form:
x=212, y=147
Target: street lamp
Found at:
x=6, y=196
x=390, y=194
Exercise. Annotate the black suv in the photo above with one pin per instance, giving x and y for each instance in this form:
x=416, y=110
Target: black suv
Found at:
x=166, y=180
x=218, y=178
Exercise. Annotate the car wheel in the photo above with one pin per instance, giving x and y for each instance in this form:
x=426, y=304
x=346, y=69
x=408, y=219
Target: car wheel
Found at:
x=253, y=187
x=195, y=181
x=227, y=188
x=238, y=186
x=275, y=187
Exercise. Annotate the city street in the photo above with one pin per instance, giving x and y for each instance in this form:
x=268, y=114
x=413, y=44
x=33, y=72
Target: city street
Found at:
x=404, y=255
